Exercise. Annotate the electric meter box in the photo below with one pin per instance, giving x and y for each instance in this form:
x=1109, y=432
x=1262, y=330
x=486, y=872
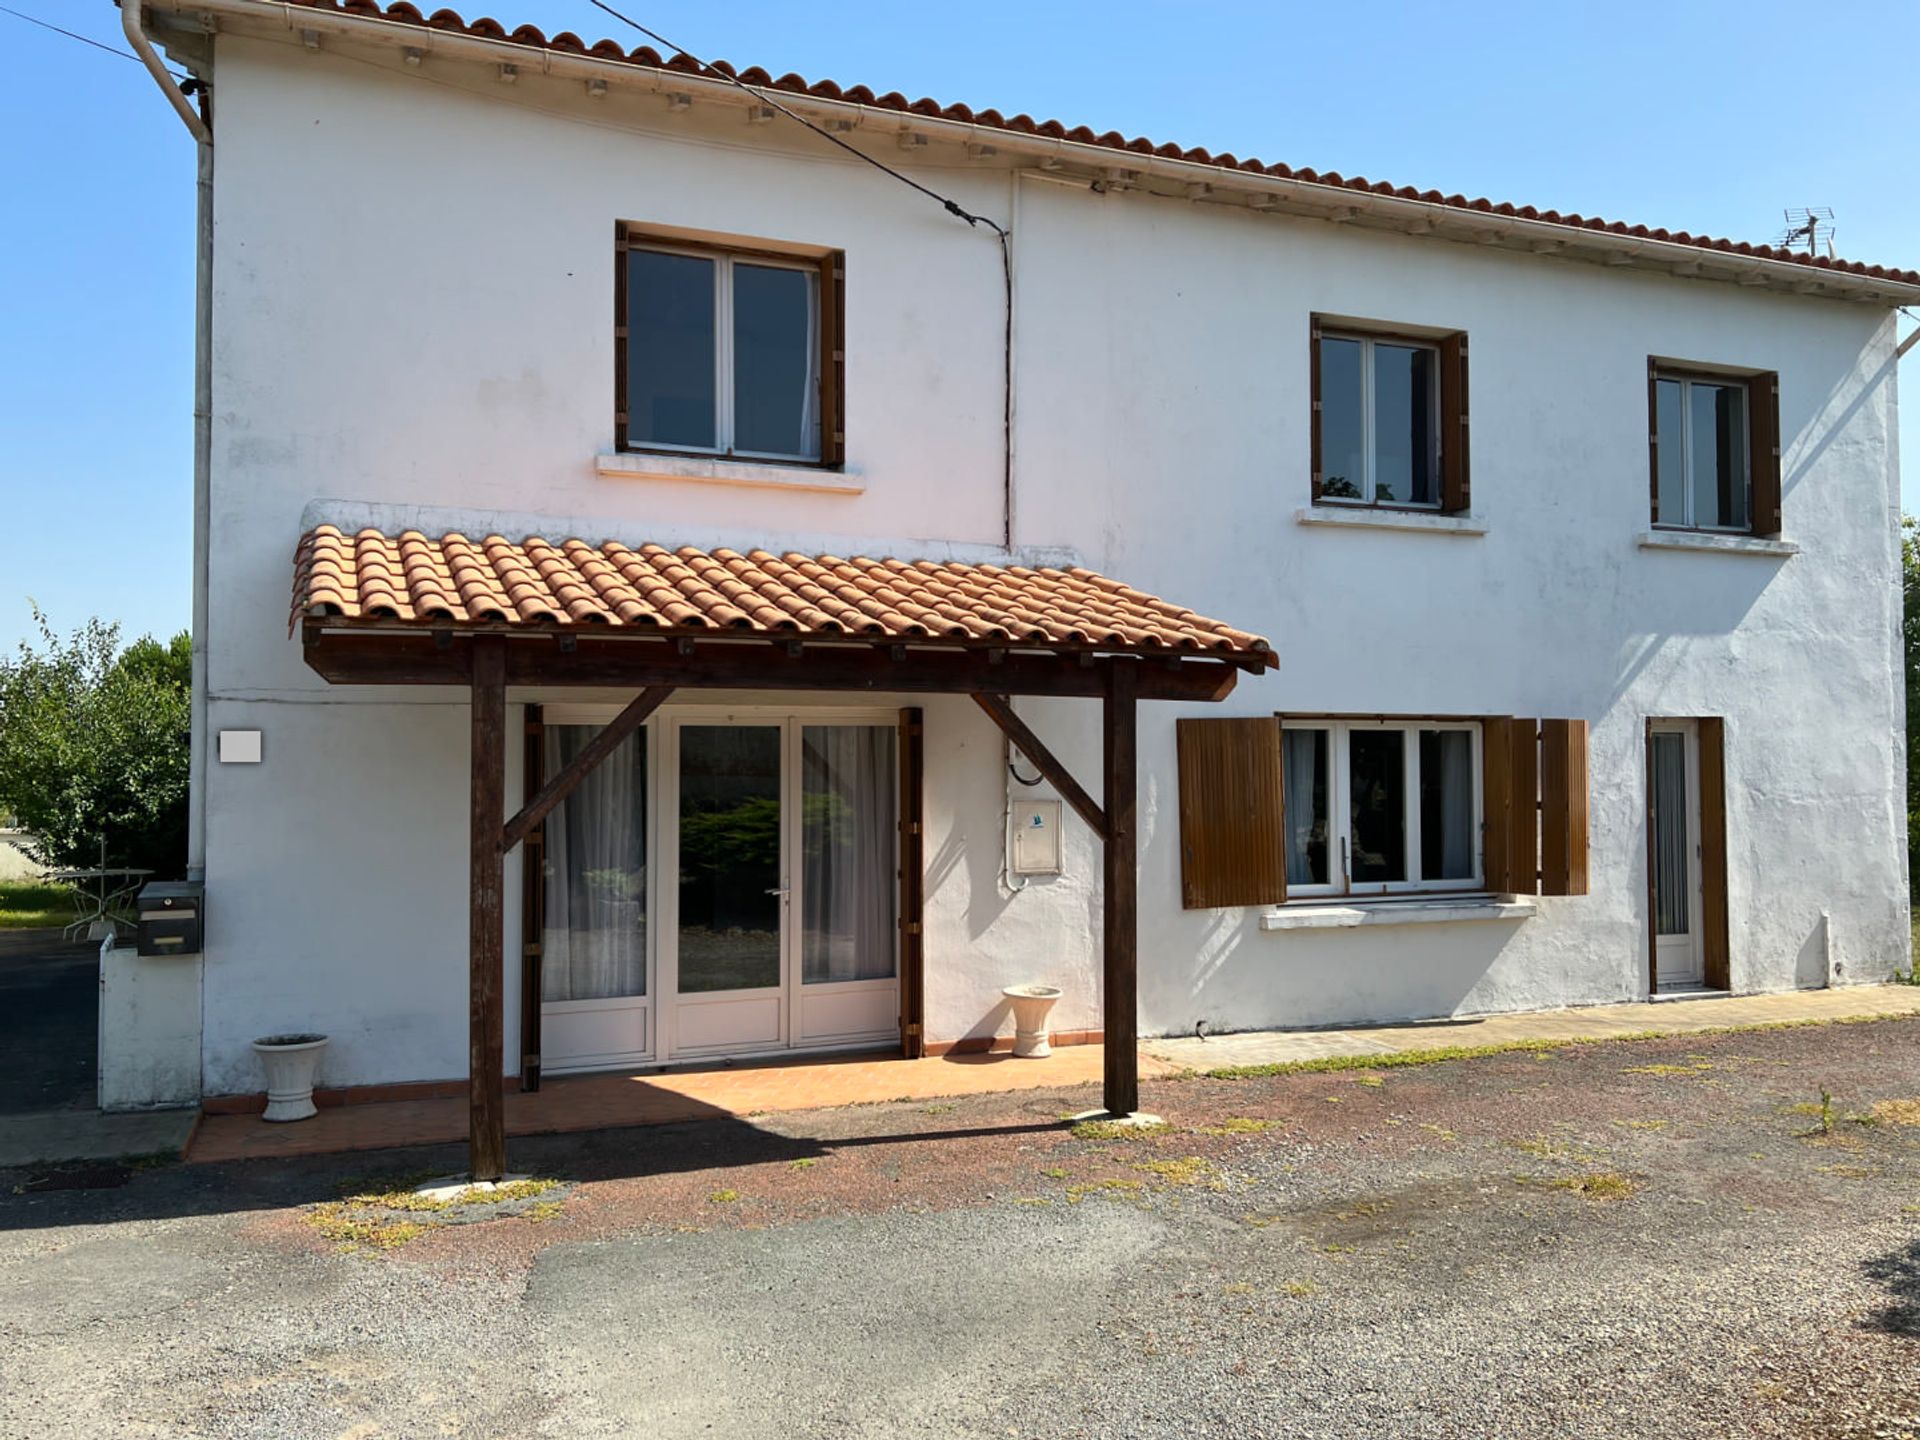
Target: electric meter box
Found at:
x=1036, y=838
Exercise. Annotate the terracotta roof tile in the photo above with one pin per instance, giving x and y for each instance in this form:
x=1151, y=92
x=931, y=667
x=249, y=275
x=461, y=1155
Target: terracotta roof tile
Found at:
x=413, y=579
x=647, y=57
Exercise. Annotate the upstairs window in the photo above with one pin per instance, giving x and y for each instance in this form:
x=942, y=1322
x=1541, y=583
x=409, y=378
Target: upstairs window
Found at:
x=1389, y=419
x=727, y=352
x=1715, y=452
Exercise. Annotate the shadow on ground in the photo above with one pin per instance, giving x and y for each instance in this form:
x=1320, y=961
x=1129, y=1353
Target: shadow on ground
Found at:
x=111, y=1192
x=1899, y=1272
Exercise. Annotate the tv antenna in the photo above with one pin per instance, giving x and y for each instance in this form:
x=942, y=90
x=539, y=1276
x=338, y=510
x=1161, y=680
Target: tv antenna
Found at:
x=1812, y=227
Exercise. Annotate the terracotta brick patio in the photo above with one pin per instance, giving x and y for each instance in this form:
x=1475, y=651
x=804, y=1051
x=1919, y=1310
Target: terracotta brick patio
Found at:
x=595, y=1102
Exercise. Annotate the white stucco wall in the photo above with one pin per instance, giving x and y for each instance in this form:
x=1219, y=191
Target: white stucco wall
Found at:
x=413, y=305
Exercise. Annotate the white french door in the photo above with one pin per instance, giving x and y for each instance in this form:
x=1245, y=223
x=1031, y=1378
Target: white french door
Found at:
x=768, y=914
x=1673, y=777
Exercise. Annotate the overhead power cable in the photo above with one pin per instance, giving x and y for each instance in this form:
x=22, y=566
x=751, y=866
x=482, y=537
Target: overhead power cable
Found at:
x=83, y=39
x=953, y=207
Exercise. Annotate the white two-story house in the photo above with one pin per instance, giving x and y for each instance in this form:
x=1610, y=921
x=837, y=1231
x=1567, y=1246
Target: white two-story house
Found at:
x=1550, y=650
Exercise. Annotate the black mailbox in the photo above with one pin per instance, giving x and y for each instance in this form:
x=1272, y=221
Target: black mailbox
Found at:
x=172, y=917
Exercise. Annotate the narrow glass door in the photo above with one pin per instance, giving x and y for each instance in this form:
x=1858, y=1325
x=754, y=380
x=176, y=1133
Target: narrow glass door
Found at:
x=1675, y=881
x=848, y=903
x=732, y=891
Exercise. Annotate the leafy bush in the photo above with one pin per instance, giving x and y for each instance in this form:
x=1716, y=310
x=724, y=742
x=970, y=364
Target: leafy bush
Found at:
x=94, y=744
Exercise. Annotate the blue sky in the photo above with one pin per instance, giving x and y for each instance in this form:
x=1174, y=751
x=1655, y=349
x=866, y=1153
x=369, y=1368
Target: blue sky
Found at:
x=1702, y=117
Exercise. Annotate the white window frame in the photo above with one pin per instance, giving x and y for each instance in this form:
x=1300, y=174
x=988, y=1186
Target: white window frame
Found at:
x=723, y=263
x=1686, y=384
x=1369, y=461
x=1340, y=813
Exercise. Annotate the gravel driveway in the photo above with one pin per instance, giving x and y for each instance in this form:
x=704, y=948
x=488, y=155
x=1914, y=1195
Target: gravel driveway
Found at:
x=1632, y=1239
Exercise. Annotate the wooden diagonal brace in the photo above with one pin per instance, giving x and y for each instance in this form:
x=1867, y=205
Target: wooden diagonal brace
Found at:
x=577, y=769
x=1035, y=749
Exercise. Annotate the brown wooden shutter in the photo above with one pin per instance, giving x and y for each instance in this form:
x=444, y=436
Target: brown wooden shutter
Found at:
x=1232, y=819
x=1713, y=854
x=533, y=903
x=1313, y=390
x=1563, y=807
x=912, y=759
x=619, y=337
x=1456, y=495
x=1510, y=800
x=1653, y=439
x=1496, y=805
x=833, y=359
x=1763, y=448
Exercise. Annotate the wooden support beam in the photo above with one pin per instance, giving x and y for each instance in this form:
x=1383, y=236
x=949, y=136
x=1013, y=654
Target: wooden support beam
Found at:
x=591, y=754
x=372, y=656
x=1035, y=749
x=1121, y=889
x=487, y=1130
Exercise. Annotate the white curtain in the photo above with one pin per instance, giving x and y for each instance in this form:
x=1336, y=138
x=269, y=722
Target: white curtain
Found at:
x=848, y=840
x=1455, y=750
x=1303, y=783
x=593, y=944
x=1672, y=879
x=812, y=440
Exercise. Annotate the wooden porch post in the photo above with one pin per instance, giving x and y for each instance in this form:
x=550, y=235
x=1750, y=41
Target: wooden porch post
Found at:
x=487, y=1131
x=1120, y=891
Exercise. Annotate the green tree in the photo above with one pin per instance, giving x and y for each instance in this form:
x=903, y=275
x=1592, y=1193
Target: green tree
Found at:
x=94, y=744
x=1910, y=635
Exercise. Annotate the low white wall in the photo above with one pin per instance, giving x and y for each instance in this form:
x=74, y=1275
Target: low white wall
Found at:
x=149, y=1030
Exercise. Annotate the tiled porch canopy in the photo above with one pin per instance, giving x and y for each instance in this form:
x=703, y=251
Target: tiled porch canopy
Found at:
x=374, y=608
x=535, y=584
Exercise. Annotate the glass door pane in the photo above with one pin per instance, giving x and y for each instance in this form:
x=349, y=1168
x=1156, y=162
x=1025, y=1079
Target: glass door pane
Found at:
x=1377, y=790
x=730, y=892
x=593, y=943
x=1671, y=885
x=849, y=800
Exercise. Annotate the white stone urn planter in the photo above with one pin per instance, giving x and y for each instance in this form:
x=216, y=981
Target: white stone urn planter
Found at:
x=291, y=1062
x=1031, y=1005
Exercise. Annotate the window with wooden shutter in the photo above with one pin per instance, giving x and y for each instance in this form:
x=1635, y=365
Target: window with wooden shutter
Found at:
x=1231, y=812
x=1713, y=447
x=1388, y=416
x=728, y=350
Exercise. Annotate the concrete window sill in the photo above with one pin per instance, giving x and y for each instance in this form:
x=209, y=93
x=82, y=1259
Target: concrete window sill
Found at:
x=1364, y=517
x=1700, y=540
x=705, y=470
x=1308, y=915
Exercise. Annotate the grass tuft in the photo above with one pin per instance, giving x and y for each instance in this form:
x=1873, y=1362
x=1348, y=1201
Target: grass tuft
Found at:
x=1597, y=1185
x=1118, y=1189
x=1189, y=1170
x=1236, y=1125
x=723, y=1197
x=1118, y=1130
x=1898, y=1112
x=1402, y=1059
